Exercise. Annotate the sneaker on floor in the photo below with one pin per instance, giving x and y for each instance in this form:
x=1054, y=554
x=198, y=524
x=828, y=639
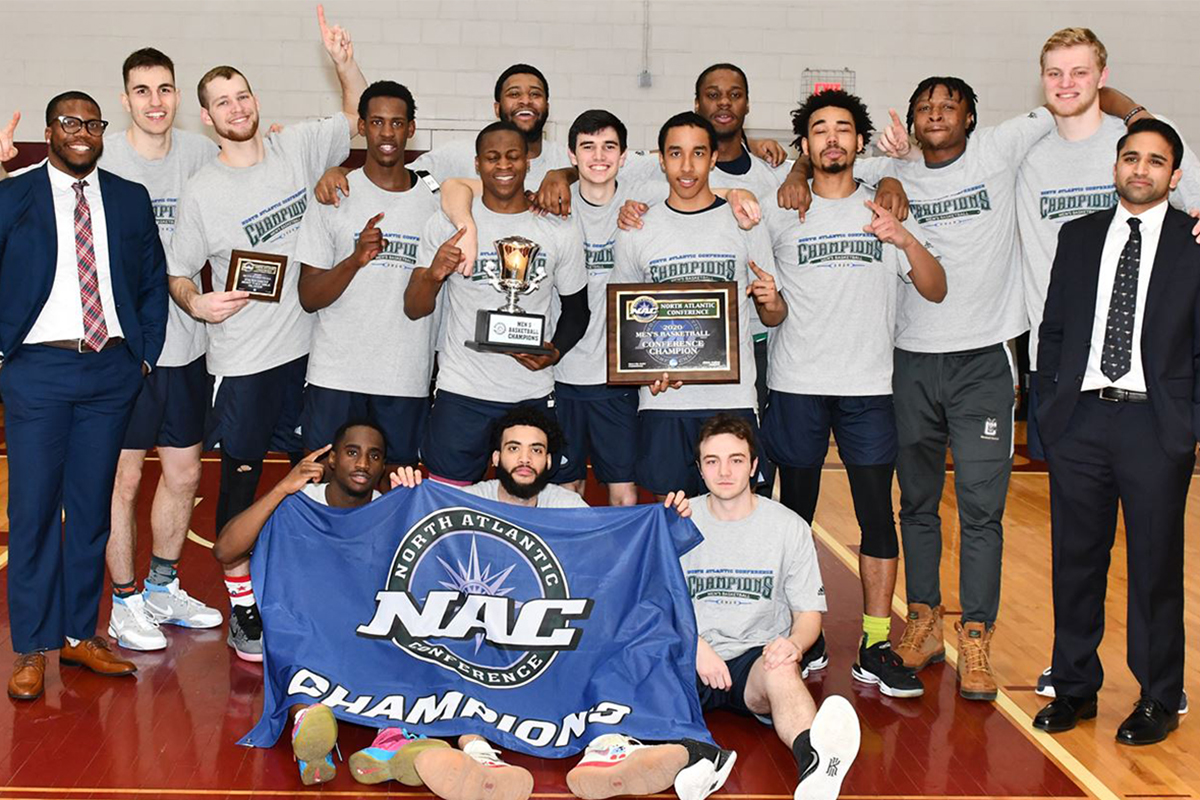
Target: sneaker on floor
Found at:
x=132, y=625
x=614, y=764
x=922, y=643
x=976, y=681
x=880, y=664
x=392, y=757
x=475, y=772
x=245, y=633
x=815, y=658
x=1045, y=688
x=835, y=737
x=170, y=605
x=314, y=734
x=707, y=769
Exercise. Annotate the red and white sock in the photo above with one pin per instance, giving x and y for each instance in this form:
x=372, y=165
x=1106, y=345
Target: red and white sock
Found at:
x=241, y=593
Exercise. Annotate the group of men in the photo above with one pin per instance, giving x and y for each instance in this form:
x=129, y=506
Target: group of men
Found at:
x=889, y=313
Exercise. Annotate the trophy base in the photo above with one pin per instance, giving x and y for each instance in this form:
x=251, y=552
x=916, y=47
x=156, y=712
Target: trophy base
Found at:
x=489, y=347
x=509, y=332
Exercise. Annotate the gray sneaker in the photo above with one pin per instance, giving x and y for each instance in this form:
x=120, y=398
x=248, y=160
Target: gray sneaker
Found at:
x=245, y=633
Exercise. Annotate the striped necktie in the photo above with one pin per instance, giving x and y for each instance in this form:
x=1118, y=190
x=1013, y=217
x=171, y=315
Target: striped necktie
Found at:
x=95, y=332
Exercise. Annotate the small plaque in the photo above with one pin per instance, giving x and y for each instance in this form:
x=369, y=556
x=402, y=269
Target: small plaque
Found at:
x=504, y=332
x=260, y=274
x=689, y=330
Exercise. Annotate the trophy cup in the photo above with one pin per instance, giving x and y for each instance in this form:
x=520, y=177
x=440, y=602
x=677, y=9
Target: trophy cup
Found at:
x=509, y=329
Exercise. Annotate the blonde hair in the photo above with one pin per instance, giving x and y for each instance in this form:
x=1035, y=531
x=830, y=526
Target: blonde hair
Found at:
x=1070, y=37
x=226, y=72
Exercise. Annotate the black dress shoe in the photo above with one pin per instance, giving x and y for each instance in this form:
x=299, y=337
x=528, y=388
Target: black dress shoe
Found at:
x=1150, y=722
x=1062, y=714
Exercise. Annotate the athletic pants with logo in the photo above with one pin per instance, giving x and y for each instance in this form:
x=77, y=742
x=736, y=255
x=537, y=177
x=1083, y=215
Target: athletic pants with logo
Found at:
x=964, y=400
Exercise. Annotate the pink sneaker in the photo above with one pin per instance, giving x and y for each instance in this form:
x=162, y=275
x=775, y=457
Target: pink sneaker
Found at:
x=390, y=757
x=473, y=773
x=314, y=734
x=615, y=764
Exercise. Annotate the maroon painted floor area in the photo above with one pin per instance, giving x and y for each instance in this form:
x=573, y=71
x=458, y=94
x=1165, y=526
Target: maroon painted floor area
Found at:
x=172, y=728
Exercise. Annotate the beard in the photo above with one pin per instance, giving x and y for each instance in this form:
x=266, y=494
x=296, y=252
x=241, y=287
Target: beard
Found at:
x=77, y=168
x=534, y=133
x=234, y=136
x=522, y=491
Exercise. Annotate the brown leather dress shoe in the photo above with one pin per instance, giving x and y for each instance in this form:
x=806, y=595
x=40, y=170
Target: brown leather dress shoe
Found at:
x=28, y=678
x=94, y=653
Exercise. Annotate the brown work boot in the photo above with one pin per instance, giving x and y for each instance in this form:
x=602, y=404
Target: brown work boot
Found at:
x=29, y=677
x=922, y=644
x=96, y=655
x=975, y=678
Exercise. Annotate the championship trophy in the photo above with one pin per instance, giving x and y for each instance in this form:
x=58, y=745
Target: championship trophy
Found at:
x=509, y=329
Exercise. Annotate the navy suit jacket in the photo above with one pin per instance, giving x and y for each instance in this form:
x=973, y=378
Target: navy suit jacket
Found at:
x=1170, y=343
x=29, y=255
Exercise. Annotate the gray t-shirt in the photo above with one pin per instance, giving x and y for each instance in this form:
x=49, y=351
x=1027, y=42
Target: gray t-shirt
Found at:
x=1061, y=180
x=363, y=342
x=316, y=491
x=499, y=377
x=258, y=209
x=551, y=496
x=677, y=247
x=587, y=362
x=748, y=576
x=967, y=209
x=164, y=179
x=841, y=286
x=456, y=159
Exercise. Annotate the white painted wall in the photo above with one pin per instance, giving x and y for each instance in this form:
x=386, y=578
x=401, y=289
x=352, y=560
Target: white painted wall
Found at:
x=449, y=53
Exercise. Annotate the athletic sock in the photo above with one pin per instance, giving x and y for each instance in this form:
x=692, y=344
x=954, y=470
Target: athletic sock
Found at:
x=162, y=570
x=123, y=590
x=803, y=752
x=241, y=593
x=876, y=629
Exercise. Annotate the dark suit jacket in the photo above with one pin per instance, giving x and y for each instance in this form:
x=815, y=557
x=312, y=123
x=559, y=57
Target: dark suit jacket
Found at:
x=1170, y=329
x=29, y=253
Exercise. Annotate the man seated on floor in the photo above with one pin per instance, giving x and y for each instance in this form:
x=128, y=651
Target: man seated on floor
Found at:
x=757, y=591
x=356, y=464
x=525, y=443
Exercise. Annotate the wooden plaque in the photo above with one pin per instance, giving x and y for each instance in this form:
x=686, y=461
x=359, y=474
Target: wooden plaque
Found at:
x=260, y=274
x=689, y=330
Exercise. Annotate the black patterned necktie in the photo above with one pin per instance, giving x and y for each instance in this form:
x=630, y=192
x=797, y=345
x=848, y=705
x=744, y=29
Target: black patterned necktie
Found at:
x=1122, y=307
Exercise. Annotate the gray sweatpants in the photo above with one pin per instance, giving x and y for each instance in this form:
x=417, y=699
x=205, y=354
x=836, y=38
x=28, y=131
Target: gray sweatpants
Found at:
x=964, y=400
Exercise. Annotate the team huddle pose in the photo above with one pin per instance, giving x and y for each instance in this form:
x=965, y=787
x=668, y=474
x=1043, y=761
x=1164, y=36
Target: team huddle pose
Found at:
x=878, y=298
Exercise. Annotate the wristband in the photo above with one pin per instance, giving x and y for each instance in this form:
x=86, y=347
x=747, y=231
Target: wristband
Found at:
x=1132, y=113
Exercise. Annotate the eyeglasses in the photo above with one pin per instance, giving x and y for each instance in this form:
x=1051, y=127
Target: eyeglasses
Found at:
x=72, y=125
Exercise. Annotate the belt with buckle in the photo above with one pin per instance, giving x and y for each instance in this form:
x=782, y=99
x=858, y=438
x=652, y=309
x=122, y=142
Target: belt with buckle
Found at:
x=81, y=345
x=1115, y=395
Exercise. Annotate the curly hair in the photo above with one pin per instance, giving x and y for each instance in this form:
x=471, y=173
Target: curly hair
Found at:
x=835, y=98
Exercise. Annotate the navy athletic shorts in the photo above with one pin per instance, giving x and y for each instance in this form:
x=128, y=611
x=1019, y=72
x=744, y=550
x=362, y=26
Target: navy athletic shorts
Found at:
x=402, y=419
x=457, y=443
x=733, y=698
x=601, y=424
x=254, y=414
x=170, y=408
x=796, y=429
x=666, y=460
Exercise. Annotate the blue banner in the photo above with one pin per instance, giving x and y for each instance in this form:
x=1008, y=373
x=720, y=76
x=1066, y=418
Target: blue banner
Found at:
x=538, y=629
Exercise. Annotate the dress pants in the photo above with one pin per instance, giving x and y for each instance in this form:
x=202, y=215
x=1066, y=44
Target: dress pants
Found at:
x=65, y=415
x=1110, y=452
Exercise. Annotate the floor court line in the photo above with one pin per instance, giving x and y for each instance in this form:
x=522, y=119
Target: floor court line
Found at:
x=1082, y=775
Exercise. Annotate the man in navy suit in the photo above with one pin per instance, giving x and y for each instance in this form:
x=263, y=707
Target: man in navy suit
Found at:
x=1119, y=382
x=83, y=309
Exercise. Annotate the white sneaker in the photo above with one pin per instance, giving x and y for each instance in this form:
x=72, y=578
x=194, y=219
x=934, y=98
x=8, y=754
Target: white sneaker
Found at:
x=707, y=770
x=835, y=736
x=132, y=626
x=173, y=606
x=614, y=764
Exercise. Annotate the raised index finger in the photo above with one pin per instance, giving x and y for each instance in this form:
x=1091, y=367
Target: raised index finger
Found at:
x=315, y=454
x=11, y=127
x=458, y=234
x=321, y=19
x=757, y=270
x=373, y=221
x=895, y=118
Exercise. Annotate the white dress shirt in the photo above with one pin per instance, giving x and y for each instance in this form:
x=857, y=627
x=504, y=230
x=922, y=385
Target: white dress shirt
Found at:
x=1118, y=234
x=62, y=316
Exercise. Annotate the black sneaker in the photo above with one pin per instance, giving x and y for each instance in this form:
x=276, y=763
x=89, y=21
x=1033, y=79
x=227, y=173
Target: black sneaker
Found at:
x=816, y=658
x=879, y=664
x=245, y=633
x=707, y=769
